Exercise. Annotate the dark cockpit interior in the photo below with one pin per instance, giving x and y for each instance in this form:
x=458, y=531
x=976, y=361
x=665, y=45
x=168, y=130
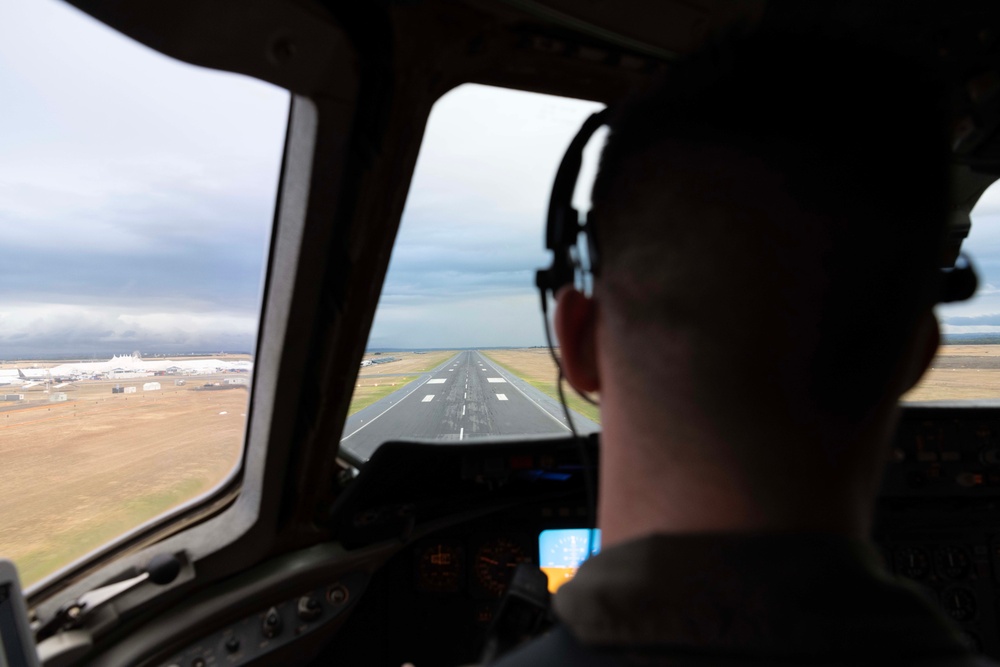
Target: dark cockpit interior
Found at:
x=320, y=550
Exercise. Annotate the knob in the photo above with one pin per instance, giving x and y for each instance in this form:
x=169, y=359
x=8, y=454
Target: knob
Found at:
x=309, y=608
x=271, y=627
x=233, y=644
x=337, y=594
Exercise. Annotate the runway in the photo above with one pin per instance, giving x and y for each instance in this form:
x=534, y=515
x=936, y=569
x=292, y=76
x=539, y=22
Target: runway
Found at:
x=467, y=397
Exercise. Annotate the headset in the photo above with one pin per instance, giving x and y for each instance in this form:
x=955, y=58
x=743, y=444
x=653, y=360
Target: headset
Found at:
x=564, y=227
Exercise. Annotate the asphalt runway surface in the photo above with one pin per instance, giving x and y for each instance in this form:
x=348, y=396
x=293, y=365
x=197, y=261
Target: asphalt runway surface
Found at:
x=467, y=397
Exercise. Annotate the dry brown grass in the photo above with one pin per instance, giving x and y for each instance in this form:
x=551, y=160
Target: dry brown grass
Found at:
x=371, y=389
x=79, y=473
x=948, y=383
x=406, y=362
x=536, y=367
x=960, y=372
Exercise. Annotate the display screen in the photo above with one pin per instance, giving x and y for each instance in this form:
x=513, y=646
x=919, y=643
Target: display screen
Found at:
x=561, y=550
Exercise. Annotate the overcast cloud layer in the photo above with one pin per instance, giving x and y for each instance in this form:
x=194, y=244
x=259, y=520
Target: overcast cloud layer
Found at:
x=137, y=193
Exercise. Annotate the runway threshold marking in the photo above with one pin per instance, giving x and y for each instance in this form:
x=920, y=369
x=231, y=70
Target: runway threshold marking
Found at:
x=376, y=417
x=537, y=405
x=502, y=397
x=428, y=398
x=437, y=381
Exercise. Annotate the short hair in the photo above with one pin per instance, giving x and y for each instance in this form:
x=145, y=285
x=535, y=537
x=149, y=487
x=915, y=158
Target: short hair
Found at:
x=786, y=194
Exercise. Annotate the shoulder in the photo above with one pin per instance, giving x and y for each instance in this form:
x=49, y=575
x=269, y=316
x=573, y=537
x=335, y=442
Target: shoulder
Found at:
x=559, y=647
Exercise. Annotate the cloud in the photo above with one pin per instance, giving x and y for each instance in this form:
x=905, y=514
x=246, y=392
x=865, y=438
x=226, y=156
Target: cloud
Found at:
x=990, y=319
x=136, y=194
x=83, y=330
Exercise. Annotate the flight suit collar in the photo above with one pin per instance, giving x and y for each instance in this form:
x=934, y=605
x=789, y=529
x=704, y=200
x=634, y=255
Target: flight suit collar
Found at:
x=780, y=595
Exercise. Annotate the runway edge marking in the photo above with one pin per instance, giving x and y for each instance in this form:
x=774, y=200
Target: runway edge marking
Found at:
x=512, y=384
x=370, y=421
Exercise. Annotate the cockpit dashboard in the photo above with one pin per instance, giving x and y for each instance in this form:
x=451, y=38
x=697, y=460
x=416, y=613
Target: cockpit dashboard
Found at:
x=432, y=533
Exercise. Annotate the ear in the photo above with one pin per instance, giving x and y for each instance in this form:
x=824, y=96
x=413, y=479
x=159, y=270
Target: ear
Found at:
x=576, y=328
x=925, y=346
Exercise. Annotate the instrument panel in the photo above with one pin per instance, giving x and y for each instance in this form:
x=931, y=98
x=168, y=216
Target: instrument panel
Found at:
x=484, y=569
x=466, y=516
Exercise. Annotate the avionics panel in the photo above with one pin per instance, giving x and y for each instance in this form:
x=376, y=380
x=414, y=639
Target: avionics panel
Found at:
x=562, y=550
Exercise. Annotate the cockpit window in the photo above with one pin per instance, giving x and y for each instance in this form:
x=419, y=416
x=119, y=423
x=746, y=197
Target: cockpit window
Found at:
x=967, y=365
x=457, y=350
x=136, y=202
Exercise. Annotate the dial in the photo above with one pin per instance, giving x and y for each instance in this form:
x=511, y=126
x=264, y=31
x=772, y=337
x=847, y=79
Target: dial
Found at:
x=952, y=562
x=440, y=567
x=912, y=562
x=960, y=603
x=495, y=563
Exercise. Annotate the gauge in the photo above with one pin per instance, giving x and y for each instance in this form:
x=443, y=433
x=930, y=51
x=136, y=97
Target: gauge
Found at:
x=440, y=567
x=495, y=563
x=960, y=603
x=952, y=562
x=912, y=562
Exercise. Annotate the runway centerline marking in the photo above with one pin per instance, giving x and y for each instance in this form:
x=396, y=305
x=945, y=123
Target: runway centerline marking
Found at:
x=437, y=381
x=495, y=380
x=463, y=410
x=428, y=398
x=466, y=397
x=502, y=397
x=461, y=433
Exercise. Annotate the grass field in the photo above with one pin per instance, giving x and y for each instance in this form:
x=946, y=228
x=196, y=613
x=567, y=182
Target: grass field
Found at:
x=406, y=362
x=370, y=390
x=78, y=473
x=535, y=366
x=960, y=372
x=378, y=381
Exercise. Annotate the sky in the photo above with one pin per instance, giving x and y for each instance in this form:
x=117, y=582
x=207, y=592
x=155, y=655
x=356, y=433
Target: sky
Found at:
x=136, y=192
x=137, y=196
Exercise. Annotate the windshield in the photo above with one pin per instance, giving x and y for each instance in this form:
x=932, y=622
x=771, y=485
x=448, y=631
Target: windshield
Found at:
x=457, y=349
x=136, y=200
x=967, y=365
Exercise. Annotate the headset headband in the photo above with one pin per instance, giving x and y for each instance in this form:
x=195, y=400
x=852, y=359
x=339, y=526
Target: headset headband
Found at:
x=563, y=229
x=563, y=226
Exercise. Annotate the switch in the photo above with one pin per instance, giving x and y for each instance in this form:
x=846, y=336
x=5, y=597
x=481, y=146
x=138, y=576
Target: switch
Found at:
x=309, y=608
x=271, y=627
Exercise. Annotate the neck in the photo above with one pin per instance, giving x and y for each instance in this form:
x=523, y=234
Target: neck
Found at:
x=667, y=470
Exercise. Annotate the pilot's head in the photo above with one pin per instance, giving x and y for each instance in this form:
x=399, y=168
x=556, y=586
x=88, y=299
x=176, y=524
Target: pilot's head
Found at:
x=769, y=224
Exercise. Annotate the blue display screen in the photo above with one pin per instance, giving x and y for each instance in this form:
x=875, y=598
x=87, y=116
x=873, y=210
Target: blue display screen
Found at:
x=561, y=550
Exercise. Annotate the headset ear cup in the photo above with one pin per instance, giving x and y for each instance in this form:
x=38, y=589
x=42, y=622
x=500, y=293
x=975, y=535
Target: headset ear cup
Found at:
x=590, y=233
x=959, y=283
x=563, y=225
